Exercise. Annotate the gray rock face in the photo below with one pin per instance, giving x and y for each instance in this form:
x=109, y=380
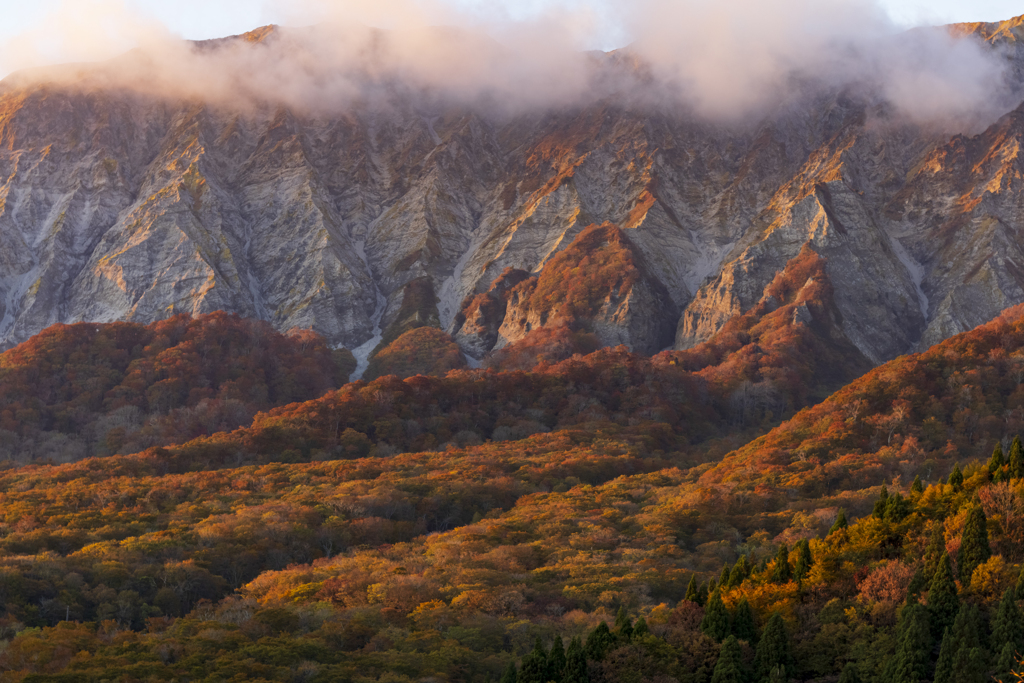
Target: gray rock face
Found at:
x=116, y=206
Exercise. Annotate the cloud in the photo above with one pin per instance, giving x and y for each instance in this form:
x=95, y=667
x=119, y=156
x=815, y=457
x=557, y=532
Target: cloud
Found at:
x=723, y=61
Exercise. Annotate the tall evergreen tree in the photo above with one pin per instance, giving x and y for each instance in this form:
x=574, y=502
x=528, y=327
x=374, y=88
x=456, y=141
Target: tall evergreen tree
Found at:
x=996, y=462
x=599, y=642
x=743, y=626
x=782, y=572
x=849, y=674
x=723, y=579
x=702, y=596
x=730, y=668
x=715, y=623
x=692, y=591
x=534, y=668
x=956, y=478
x=623, y=625
x=974, y=547
x=575, y=664
x=911, y=662
x=556, y=660
x=970, y=665
x=803, y=559
x=773, y=648
x=510, y=674
x=640, y=628
x=1006, y=665
x=840, y=522
x=740, y=572
x=1007, y=627
x=883, y=498
x=917, y=487
x=1016, y=459
x=897, y=508
x=943, y=601
x=935, y=549
x=947, y=653
x=960, y=651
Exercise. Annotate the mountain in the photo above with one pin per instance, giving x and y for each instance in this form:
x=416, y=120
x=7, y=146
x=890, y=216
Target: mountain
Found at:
x=123, y=205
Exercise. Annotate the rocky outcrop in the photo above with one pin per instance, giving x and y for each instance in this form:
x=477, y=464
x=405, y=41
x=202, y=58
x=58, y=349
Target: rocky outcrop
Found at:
x=600, y=283
x=124, y=206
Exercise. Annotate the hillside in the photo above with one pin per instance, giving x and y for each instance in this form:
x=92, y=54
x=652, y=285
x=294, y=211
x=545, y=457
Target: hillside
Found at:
x=452, y=564
x=81, y=390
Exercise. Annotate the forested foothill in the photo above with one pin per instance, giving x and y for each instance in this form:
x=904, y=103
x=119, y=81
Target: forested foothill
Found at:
x=608, y=517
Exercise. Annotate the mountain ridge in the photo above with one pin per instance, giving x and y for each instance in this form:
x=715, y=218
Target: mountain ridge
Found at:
x=117, y=205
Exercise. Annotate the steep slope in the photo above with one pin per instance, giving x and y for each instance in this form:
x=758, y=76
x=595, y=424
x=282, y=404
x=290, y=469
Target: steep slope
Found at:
x=125, y=206
x=917, y=414
x=600, y=283
x=788, y=350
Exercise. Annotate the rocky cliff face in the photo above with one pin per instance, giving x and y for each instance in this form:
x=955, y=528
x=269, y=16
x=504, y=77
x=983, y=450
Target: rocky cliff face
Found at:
x=123, y=206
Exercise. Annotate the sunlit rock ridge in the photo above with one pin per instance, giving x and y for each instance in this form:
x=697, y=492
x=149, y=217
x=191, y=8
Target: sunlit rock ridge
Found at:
x=118, y=205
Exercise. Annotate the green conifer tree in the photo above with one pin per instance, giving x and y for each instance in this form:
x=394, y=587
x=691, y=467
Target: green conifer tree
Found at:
x=556, y=660
x=974, y=547
x=840, y=522
x=935, y=550
x=575, y=664
x=773, y=648
x=1007, y=626
x=970, y=665
x=702, y=597
x=692, y=591
x=729, y=668
x=956, y=478
x=1006, y=665
x=961, y=647
x=623, y=625
x=803, y=560
x=883, y=498
x=510, y=674
x=1016, y=459
x=640, y=628
x=782, y=572
x=740, y=572
x=943, y=601
x=849, y=674
x=917, y=488
x=996, y=462
x=912, y=659
x=534, y=667
x=947, y=652
x=897, y=508
x=723, y=578
x=599, y=642
x=715, y=623
x=743, y=626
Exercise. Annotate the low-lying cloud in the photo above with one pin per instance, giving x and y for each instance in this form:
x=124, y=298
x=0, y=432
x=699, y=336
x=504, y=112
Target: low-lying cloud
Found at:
x=724, y=61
